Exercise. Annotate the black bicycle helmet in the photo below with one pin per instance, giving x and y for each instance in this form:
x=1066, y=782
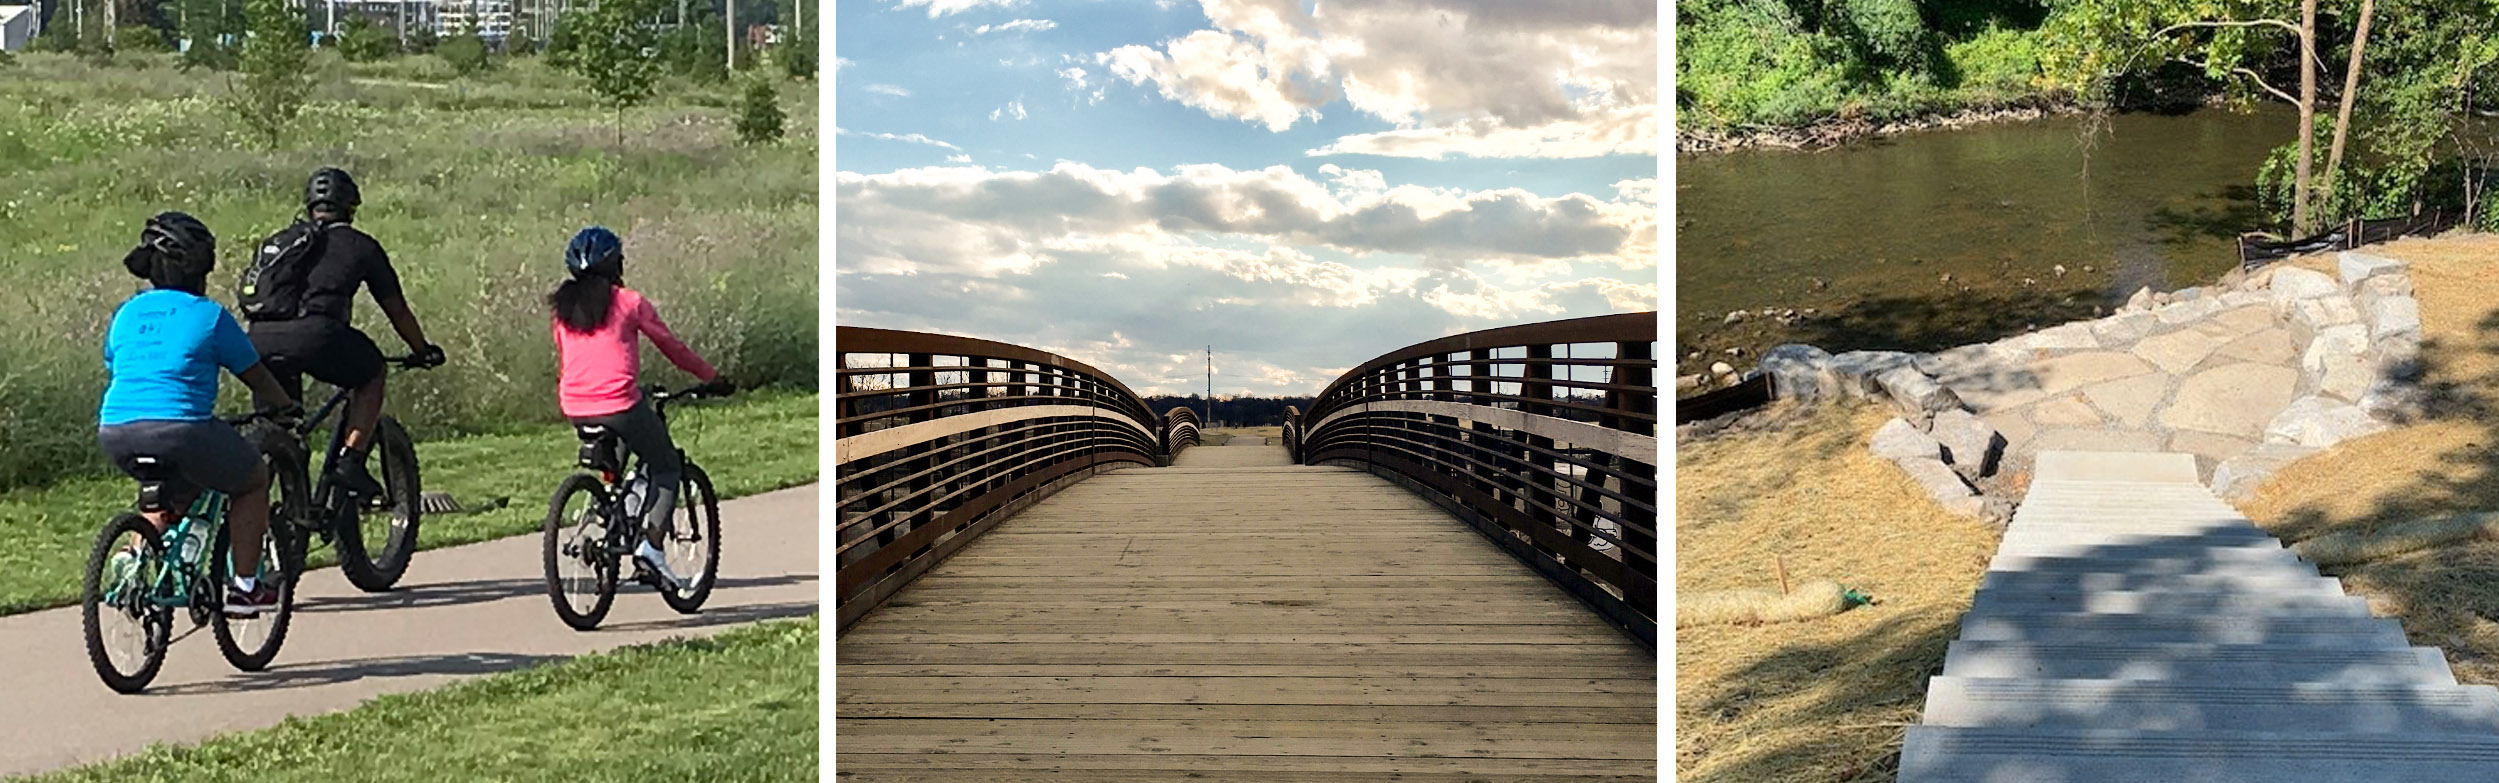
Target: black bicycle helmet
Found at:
x=595, y=249
x=175, y=239
x=333, y=187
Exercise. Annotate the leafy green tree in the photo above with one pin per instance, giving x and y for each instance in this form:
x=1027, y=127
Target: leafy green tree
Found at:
x=797, y=51
x=618, y=53
x=421, y=40
x=210, y=29
x=140, y=38
x=361, y=41
x=518, y=43
x=759, y=112
x=563, y=41
x=465, y=50
x=273, y=60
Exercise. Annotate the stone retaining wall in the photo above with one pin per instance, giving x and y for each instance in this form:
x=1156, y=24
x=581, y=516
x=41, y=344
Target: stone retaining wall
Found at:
x=2248, y=375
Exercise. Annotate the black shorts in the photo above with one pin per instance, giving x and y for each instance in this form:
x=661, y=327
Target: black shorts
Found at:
x=327, y=349
x=194, y=454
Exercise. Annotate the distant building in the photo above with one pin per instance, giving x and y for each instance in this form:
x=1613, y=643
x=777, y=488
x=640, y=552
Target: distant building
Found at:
x=17, y=27
x=491, y=18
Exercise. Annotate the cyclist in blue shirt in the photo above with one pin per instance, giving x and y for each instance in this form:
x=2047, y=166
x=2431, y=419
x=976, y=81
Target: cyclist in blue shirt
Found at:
x=164, y=350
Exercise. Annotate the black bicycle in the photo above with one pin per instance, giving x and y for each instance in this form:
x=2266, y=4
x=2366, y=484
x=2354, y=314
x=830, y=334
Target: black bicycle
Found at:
x=594, y=523
x=350, y=523
x=137, y=578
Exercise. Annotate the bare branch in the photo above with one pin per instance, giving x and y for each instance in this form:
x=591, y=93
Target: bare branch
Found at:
x=2251, y=76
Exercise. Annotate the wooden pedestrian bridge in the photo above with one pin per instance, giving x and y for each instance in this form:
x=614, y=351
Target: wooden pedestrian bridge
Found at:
x=1445, y=570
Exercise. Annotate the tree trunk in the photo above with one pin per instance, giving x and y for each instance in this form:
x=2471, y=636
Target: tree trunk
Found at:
x=2301, y=221
x=2351, y=89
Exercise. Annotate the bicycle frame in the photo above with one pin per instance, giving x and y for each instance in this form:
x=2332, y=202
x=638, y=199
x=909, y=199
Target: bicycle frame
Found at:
x=174, y=585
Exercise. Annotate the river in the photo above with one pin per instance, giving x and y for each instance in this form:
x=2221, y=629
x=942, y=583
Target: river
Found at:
x=1929, y=240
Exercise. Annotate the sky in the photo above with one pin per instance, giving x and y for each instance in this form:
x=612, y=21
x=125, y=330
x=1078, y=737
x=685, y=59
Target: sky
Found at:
x=1302, y=186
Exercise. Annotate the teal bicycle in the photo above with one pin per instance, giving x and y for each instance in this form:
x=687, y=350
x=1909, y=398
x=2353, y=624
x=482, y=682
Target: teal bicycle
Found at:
x=137, y=580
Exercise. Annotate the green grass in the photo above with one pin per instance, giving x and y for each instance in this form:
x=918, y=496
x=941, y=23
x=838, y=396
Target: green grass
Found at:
x=473, y=185
x=748, y=446
x=733, y=708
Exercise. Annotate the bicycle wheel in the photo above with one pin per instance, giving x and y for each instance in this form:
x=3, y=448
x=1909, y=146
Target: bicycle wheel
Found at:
x=391, y=520
x=126, y=632
x=251, y=643
x=581, y=567
x=693, y=549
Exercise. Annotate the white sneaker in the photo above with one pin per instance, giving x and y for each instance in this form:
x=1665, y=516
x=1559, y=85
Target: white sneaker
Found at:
x=657, y=561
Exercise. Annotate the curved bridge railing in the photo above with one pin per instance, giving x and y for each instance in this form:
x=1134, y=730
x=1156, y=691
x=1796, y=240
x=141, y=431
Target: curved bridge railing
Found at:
x=939, y=438
x=1543, y=437
x=1180, y=431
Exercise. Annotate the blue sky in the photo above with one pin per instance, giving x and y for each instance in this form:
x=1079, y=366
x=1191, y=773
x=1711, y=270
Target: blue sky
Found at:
x=1302, y=186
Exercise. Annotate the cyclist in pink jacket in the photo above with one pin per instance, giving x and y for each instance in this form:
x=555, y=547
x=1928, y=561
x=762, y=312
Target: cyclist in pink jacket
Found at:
x=599, y=324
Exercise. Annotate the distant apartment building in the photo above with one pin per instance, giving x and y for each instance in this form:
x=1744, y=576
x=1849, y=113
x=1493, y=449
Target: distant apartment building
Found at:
x=17, y=27
x=492, y=19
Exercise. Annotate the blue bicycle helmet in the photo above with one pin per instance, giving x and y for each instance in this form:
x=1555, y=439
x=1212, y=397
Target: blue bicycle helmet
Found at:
x=595, y=248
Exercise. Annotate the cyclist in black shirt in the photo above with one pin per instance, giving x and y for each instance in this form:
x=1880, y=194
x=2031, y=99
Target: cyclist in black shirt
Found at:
x=323, y=343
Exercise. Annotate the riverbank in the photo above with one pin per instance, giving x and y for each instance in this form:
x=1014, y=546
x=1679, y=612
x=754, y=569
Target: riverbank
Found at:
x=1840, y=131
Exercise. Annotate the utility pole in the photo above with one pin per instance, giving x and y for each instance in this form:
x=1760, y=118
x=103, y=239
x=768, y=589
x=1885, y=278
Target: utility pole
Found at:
x=1208, y=420
x=729, y=11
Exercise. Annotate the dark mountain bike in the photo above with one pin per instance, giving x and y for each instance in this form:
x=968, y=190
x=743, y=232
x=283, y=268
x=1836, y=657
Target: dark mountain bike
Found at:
x=595, y=521
x=354, y=524
x=137, y=580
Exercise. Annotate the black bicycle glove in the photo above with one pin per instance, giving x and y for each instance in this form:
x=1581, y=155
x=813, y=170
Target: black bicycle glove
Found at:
x=429, y=356
x=719, y=386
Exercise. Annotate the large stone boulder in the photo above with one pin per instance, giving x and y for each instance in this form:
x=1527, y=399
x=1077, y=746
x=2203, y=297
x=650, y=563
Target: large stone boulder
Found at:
x=2394, y=315
x=1799, y=372
x=2238, y=477
x=1970, y=445
x=1940, y=482
x=2357, y=266
x=1855, y=370
x=1898, y=440
x=1917, y=396
x=2320, y=422
x=2292, y=284
x=2334, y=342
x=2124, y=329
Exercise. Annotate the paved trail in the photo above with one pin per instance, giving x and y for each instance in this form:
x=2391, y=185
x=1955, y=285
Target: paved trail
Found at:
x=460, y=612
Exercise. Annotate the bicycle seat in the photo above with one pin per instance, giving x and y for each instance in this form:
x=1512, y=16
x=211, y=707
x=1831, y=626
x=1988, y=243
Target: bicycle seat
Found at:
x=601, y=449
x=153, y=474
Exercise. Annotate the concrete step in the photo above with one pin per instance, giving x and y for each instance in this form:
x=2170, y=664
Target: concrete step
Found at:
x=2069, y=534
x=2341, y=633
x=2094, y=581
x=2158, y=705
x=1998, y=602
x=2104, y=518
x=1936, y=754
x=2198, y=663
x=2138, y=547
x=2114, y=467
x=2165, y=566
x=2192, y=550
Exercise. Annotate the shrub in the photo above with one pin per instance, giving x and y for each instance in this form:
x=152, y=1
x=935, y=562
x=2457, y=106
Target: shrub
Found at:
x=759, y=114
x=138, y=38
x=465, y=52
x=273, y=62
x=364, y=42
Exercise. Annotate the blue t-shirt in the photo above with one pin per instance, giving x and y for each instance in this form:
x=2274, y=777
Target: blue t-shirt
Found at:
x=163, y=351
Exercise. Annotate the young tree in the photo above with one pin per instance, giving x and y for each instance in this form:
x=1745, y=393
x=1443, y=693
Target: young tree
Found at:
x=759, y=113
x=465, y=50
x=273, y=62
x=618, y=52
x=361, y=41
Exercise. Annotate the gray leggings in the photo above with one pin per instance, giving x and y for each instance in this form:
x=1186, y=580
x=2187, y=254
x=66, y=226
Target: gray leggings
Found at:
x=647, y=437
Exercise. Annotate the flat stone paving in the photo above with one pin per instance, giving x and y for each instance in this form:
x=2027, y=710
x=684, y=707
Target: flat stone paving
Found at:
x=2205, y=387
x=2135, y=627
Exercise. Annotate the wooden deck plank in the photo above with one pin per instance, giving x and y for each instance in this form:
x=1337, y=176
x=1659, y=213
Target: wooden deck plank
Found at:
x=1271, y=623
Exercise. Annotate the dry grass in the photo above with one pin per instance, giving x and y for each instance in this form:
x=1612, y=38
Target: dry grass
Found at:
x=1822, y=700
x=1750, y=607
x=2385, y=498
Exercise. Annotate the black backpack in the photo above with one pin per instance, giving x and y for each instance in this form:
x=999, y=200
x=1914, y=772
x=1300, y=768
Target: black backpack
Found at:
x=273, y=286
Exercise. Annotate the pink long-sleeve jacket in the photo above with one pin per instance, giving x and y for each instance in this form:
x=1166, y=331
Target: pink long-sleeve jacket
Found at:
x=596, y=370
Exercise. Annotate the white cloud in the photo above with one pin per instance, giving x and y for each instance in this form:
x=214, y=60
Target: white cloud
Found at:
x=958, y=159
x=1014, y=108
x=937, y=8
x=1473, y=78
x=912, y=138
x=888, y=89
x=1017, y=26
x=843, y=62
x=1075, y=77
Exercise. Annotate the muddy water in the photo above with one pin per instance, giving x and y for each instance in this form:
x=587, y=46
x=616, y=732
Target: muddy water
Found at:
x=1929, y=240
